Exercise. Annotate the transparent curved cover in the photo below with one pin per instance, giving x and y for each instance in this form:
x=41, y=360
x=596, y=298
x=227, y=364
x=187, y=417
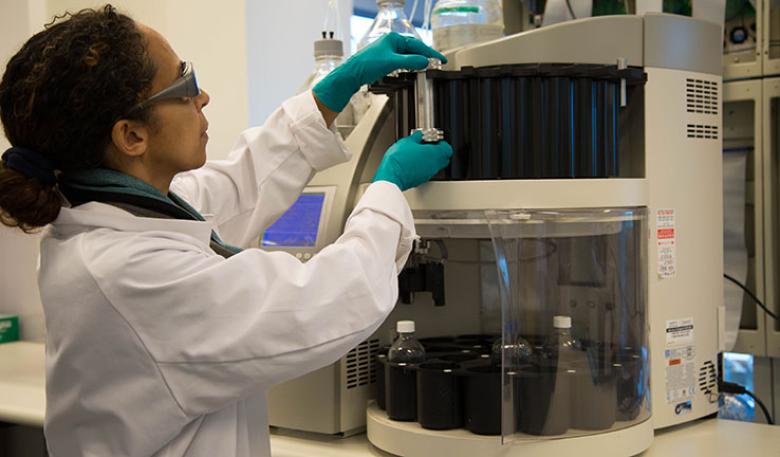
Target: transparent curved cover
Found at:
x=573, y=292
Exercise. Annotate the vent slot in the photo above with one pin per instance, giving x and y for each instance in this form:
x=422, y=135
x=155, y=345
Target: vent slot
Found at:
x=360, y=364
x=701, y=131
x=708, y=380
x=701, y=96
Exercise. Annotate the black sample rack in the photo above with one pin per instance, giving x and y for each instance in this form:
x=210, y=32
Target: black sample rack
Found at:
x=525, y=121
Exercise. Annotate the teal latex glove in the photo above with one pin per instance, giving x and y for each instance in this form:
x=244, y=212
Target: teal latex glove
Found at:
x=383, y=56
x=410, y=162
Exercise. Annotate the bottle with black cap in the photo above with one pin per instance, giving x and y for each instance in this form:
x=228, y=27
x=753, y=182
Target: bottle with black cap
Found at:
x=328, y=54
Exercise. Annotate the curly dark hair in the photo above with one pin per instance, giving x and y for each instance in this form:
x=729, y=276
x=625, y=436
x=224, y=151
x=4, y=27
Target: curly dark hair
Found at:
x=61, y=95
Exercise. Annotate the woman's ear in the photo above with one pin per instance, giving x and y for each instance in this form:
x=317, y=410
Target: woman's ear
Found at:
x=130, y=138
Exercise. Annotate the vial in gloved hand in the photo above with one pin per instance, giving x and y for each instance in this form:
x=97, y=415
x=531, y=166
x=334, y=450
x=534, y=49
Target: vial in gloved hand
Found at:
x=423, y=90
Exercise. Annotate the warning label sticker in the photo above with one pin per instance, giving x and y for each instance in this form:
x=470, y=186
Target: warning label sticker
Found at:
x=680, y=374
x=680, y=365
x=679, y=332
x=666, y=240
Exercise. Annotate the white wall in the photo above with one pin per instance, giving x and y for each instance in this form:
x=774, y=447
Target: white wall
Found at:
x=211, y=35
x=18, y=252
x=280, y=52
x=18, y=21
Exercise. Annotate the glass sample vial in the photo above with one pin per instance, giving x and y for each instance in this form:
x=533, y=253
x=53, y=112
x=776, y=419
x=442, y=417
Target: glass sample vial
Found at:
x=406, y=348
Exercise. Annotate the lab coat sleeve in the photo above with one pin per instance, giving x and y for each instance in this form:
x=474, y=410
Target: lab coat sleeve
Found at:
x=219, y=329
x=265, y=172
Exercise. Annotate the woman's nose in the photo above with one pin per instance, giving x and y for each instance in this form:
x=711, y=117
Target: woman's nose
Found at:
x=203, y=99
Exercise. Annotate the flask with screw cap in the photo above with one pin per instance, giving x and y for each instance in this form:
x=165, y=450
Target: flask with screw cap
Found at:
x=406, y=348
x=390, y=17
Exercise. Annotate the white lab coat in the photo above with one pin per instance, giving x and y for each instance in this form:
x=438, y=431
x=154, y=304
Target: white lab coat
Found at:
x=159, y=347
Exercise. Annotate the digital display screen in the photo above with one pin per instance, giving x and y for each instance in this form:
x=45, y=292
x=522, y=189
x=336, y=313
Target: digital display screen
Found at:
x=298, y=226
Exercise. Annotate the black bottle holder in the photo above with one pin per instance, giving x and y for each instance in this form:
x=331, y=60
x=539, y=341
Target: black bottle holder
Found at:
x=482, y=399
x=459, y=357
x=476, y=348
x=527, y=121
x=437, y=340
x=380, y=365
x=401, y=388
x=594, y=395
x=544, y=395
x=475, y=339
x=631, y=382
x=434, y=350
x=439, y=396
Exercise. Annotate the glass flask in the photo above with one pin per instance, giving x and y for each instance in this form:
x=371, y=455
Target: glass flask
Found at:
x=389, y=18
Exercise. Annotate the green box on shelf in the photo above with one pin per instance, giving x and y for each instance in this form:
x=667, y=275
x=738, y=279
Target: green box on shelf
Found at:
x=9, y=329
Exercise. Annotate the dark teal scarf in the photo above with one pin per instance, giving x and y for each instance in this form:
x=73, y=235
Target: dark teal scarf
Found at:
x=112, y=187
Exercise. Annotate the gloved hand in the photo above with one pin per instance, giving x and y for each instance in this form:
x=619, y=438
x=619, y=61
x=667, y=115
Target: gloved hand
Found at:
x=383, y=56
x=410, y=162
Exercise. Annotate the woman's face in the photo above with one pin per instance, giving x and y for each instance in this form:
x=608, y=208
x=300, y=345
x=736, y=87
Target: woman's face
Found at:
x=178, y=140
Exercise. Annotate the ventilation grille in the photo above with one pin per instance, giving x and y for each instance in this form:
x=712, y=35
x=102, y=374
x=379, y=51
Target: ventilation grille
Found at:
x=701, y=96
x=706, y=132
x=708, y=380
x=360, y=364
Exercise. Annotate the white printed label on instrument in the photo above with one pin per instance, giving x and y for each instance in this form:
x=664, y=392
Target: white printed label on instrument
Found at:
x=679, y=332
x=666, y=240
x=680, y=374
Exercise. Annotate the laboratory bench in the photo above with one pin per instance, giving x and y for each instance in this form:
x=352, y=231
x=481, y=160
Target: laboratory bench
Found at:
x=23, y=402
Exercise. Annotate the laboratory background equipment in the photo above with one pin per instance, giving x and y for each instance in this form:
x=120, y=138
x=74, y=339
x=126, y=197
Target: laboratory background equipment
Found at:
x=750, y=94
x=390, y=17
x=457, y=23
x=585, y=184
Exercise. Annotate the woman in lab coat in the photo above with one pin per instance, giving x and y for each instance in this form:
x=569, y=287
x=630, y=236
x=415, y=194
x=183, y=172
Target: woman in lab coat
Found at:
x=162, y=337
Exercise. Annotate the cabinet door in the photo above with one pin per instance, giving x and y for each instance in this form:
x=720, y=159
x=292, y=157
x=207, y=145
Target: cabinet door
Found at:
x=771, y=134
x=744, y=210
x=771, y=37
x=742, y=43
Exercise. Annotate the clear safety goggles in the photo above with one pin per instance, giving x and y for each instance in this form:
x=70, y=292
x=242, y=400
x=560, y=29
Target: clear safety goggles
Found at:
x=185, y=86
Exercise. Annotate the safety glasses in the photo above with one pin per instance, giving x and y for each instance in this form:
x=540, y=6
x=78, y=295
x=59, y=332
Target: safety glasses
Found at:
x=185, y=86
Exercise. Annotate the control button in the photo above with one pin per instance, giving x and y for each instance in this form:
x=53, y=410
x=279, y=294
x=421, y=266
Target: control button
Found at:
x=307, y=256
x=298, y=255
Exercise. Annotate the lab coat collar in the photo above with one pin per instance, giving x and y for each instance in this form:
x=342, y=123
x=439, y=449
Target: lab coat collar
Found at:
x=72, y=221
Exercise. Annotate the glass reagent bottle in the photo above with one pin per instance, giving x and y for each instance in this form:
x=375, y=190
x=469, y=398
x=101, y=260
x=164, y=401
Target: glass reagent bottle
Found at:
x=406, y=348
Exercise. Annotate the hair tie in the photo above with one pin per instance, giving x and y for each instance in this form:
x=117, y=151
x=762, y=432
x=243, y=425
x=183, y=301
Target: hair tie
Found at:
x=30, y=163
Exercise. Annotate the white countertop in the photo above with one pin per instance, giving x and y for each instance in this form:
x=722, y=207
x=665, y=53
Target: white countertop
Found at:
x=702, y=438
x=22, y=383
x=717, y=437
x=23, y=401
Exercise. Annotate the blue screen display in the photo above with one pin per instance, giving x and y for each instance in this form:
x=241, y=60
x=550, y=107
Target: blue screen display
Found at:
x=298, y=226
